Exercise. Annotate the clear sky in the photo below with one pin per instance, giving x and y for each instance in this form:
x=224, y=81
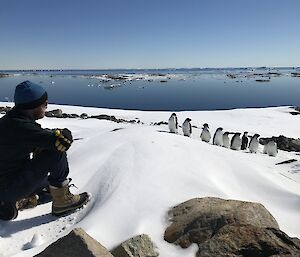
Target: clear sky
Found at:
x=103, y=34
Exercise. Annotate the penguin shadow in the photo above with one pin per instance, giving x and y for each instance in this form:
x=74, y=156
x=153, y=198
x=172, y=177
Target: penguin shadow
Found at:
x=168, y=132
x=11, y=227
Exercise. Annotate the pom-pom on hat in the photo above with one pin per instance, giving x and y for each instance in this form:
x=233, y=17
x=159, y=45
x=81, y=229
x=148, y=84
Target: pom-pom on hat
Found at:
x=29, y=95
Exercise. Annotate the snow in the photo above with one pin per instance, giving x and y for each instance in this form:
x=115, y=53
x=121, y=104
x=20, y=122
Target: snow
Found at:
x=136, y=173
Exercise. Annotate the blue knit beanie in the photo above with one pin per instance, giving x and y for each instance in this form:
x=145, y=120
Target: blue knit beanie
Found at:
x=29, y=95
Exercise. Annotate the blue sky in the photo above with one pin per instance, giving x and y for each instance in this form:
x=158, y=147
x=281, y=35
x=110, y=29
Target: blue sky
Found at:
x=103, y=34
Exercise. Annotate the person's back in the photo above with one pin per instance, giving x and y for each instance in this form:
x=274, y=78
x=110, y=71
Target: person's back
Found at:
x=19, y=137
x=31, y=155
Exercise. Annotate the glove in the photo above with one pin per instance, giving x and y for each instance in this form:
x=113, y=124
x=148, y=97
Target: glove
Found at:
x=64, y=139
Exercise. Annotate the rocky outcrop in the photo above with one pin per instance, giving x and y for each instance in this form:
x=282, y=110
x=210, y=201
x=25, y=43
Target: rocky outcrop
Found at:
x=139, y=246
x=296, y=110
x=76, y=244
x=4, y=75
x=4, y=110
x=248, y=240
x=295, y=74
x=113, y=118
x=283, y=143
x=228, y=228
x=58, y=113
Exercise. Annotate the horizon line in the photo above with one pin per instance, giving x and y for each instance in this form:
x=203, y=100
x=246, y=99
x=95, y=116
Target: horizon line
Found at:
x=190, y=68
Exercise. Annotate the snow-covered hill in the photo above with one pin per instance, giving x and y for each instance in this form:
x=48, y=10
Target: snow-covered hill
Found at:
x=136, y=172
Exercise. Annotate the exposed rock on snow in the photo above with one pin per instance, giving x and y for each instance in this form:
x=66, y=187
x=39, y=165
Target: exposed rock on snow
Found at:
x=77, y=243
x=283, y=143
x=228, y=228
x=139, y=246
x=58, y=113
x=248, y=240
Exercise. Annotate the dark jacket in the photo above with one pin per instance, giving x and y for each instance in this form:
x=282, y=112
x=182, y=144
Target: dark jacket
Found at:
x=20, y=136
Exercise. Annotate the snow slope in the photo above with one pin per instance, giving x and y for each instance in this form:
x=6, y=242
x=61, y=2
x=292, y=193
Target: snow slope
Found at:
x=137, y=172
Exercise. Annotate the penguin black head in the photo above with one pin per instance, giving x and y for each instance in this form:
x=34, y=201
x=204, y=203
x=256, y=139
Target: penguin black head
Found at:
x=246, y=133
x=256, y=135
x=173, y=114
x=220, y=128
x=226, y=133
x=188, y=119
x=205, y=125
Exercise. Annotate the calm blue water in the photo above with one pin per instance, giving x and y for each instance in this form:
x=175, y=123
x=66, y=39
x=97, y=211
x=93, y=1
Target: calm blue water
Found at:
x=185, y=89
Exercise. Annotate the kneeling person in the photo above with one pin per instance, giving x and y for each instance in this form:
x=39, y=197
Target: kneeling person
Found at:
x=32, y=157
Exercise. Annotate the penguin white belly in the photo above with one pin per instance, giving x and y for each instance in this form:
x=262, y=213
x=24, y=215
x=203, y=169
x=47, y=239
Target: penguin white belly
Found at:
x=172, y=125
x=265, y=148
x=205, y=136
x=253, y=147
x=226, y=142
x=236, y=144
x=272, y=149
x=186, y=129
x=218, y=139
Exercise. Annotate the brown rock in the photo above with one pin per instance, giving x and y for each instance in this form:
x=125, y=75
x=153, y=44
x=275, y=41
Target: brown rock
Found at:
x=229, y=228
x=199, y=219
x=76, y=244
x=248, y=240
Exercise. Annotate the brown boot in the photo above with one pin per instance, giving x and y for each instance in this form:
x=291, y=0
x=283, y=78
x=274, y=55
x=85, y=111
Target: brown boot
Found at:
x=64, y=201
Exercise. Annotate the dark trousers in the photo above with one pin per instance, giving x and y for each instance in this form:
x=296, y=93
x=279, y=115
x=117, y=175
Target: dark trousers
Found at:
x=47, y=167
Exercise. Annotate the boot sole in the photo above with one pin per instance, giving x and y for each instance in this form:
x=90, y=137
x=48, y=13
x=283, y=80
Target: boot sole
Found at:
x=59, y=211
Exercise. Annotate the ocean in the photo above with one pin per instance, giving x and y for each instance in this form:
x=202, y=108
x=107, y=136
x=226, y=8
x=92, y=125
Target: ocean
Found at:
x=163, y=89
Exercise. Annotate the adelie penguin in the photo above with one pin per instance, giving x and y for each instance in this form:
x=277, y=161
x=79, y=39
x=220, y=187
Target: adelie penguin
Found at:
x=173, y=123
x=253, y=145
x=205, y=134
x=187, y=127
x=236, y=142
x=272, y=148
x=244, y=141
x=226, y=142
x=218, y=137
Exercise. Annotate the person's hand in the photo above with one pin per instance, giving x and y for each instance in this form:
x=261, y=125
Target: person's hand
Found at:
x=64, y=139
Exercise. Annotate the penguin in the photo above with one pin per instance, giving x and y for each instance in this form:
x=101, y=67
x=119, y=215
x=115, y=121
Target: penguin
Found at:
x=236, y=142
x=265, y=150
x=244, y=141
x=173, y=123
x=226, y=142
x=218, y=137
x=253, y=145
x=272, y=148
x=187, y=127
x=205, y=134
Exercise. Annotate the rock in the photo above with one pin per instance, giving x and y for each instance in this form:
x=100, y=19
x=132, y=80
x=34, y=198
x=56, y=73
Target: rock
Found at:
x=76, y=244
x=295, y=74
x=159, y=123
x=4, y=75
x=198, y=219
x=55, y=113
x=262, y=80
x=4, y=110
x=139, y=246
x=84, y=116
x=228, y=228
x=248, y=240
x=73, y=115
x=283, y=143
